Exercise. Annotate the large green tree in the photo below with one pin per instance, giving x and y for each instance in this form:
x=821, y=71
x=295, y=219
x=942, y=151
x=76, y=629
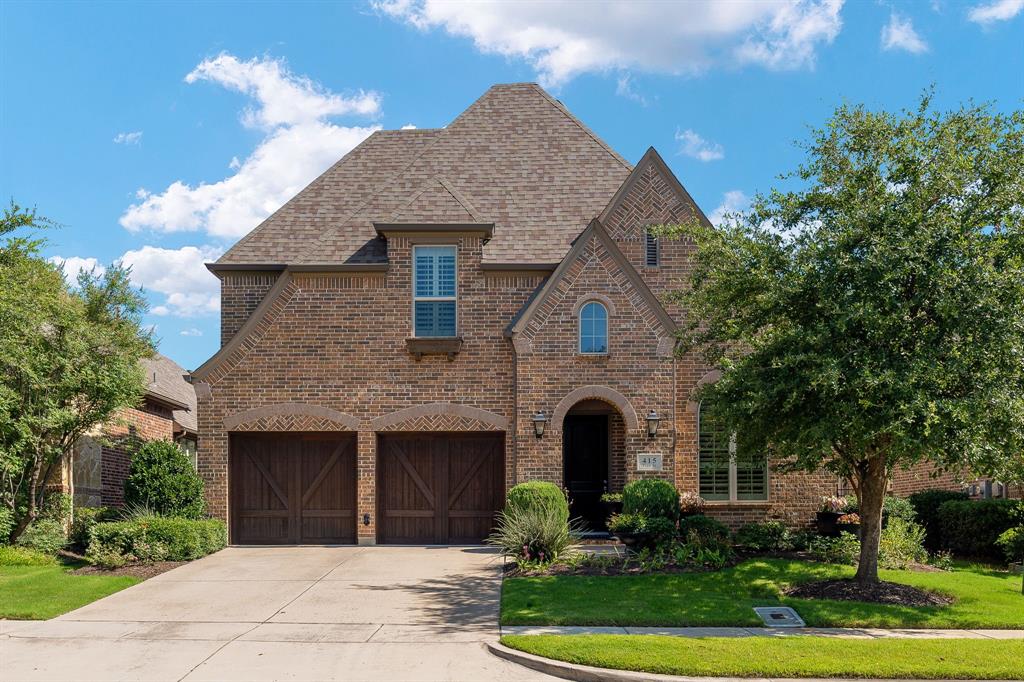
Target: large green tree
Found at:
x=69, y=358
x=871, y=315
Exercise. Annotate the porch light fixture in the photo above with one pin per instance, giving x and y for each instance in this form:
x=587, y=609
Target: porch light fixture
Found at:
x=540, y=420
x=652, y=424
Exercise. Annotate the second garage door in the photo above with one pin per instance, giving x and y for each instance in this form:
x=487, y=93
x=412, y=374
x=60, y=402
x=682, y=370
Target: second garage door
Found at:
x=439, y=488
x=293, y=488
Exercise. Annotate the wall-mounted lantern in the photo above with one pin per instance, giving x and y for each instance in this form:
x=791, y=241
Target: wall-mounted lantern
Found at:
x=540, y=420
x=652, y=424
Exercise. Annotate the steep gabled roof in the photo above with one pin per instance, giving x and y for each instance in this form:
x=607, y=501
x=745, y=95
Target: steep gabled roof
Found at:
x=516, y=157
x=596, y=231
x=165, y=383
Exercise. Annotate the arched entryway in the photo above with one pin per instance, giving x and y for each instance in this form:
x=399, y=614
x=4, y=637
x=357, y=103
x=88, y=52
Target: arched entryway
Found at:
x=593, y=438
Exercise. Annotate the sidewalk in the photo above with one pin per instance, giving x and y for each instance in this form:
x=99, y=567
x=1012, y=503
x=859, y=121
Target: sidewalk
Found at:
x=851, y=633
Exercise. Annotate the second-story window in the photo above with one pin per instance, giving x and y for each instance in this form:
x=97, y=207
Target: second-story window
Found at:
x=651, y=249
x=593, y=328
x=433, y=291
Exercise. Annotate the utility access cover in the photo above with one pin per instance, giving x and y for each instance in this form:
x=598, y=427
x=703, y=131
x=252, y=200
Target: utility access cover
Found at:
x=779, y=616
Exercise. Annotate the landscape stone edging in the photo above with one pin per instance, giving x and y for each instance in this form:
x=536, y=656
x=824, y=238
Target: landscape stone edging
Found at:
x=586, y=673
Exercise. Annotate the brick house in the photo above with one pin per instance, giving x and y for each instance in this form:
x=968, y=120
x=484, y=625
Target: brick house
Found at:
x=445, y=313
x=99, y=463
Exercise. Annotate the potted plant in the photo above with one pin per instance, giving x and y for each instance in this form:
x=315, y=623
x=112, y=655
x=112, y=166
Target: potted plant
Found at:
x=629, y=529
x=849, y=523
x=612, y=504
x=832, y=507
x=690, y=504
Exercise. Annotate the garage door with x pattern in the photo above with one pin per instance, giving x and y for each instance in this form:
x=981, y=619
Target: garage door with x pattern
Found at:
x=291, y=488
x=439, y=488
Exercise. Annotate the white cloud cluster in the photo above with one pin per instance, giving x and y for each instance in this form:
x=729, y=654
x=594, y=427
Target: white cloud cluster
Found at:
x=300, y=143
x=899, y=34
x=564, y=39
x=732, y=201
x=189, y=289
x=997, y=10
x=696, y=147
x=191, y=331
x=128, y=138
x=72, y=265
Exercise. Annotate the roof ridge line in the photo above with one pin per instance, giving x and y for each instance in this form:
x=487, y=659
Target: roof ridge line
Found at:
x=460, y=197
x=568, y=114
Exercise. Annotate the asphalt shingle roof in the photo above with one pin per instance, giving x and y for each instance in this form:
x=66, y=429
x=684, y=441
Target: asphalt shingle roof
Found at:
x=165, y=379
x=516, y=157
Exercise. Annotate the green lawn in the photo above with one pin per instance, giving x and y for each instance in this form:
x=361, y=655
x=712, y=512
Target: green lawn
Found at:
x=985, y=598
x=785, y=657
x=39, y=592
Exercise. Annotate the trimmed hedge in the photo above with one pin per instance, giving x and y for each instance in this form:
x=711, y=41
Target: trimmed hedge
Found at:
x=533, y=494
x=971, y=528
x=926, y=503
x=84, y=519
x=162, y=479
x=704, y=530
x=154, y=538
x=651, y=497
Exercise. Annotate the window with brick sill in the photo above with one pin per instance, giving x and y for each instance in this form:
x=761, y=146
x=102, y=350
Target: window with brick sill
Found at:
x=434, y=293
x=722, y=477
x=593, y=329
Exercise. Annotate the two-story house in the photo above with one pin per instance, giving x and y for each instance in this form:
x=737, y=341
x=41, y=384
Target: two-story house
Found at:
x=445, y=313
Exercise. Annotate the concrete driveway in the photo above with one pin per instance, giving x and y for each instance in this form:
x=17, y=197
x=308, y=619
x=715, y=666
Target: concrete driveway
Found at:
x=295, y=613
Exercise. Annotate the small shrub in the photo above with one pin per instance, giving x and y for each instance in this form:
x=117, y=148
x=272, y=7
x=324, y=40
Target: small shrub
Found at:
x=691, y=503
x=162, y=478
x=661, y=532
x=802, y=539
x=651, y=497
x=971, y=528
x=155, y=538
x=1012, y=544
x=892, y=508
x=658, y=532
x=704, y=531
x=901, y=544
x=14, y=555
x=84, y=519
x=844, y=549
x=44, y=535
x=56, y=507
x=702, y=556
x=926, y=507
x=627, y=523
x=764, y=537
x=539, y=494
x=533, y=533
x=941, y=560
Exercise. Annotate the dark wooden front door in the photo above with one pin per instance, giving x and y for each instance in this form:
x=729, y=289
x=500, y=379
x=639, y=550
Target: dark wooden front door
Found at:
x=292, y=488
x=439, y=488
x=585, y=454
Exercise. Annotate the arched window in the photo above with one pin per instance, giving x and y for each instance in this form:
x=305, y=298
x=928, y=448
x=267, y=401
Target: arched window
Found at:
x=593, y=328
x=721, y=475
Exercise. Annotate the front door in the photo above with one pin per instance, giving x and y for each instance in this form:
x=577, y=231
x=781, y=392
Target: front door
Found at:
x=585, y=453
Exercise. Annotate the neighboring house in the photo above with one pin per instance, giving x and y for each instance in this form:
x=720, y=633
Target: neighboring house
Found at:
x=926, y=477
x=445, y=313
x=99, y=463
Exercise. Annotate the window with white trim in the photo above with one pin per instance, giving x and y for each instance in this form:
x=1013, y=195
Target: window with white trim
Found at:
x=721, y=475
x=434, y=291
x=652, y=249
x=593, y=328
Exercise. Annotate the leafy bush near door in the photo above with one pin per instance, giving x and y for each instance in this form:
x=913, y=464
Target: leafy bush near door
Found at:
x=533, y=533
x=162, y=479
x=538, y=494
x=651, y=497
x=154, y=538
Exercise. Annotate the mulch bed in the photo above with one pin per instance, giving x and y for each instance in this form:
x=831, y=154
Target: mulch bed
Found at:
x=876, y=593
x=142, y=571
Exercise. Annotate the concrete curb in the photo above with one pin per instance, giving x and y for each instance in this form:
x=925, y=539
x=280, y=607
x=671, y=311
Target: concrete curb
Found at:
x=586, y=673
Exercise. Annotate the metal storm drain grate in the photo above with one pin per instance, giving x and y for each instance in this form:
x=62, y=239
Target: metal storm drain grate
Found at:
x=779, y=616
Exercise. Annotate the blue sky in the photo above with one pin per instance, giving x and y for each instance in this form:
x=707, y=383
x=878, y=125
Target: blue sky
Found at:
x=159, y=133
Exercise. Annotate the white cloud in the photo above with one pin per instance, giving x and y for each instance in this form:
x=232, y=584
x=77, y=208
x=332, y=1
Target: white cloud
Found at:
x=72, y=265
x=408, y=126
x=732, y=201
x=192, y=331
x=299, y=144
x=564, y=39
x=693, y=145
x=996, y=10
x=624, y=88
x=899, y=34
x=128, y=138
x=190, y=290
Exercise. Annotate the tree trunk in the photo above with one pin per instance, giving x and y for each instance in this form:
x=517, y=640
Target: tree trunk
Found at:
x=872, y=480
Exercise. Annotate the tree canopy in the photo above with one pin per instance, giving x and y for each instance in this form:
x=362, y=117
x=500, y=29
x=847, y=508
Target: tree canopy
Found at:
x=69, y=358
x=872, y=316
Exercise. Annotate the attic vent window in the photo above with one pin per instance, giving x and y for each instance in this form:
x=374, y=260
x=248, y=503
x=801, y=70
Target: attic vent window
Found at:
x=652, y=249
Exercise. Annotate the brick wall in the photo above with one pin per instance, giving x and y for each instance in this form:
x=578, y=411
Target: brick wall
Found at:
x=120, y=437
x=240, y=293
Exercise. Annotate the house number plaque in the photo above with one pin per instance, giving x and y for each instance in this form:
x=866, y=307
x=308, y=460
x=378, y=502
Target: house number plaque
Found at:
x=648, y=461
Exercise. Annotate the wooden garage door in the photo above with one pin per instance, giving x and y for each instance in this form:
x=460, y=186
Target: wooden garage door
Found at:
x=293, y=488
x=439, y=488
